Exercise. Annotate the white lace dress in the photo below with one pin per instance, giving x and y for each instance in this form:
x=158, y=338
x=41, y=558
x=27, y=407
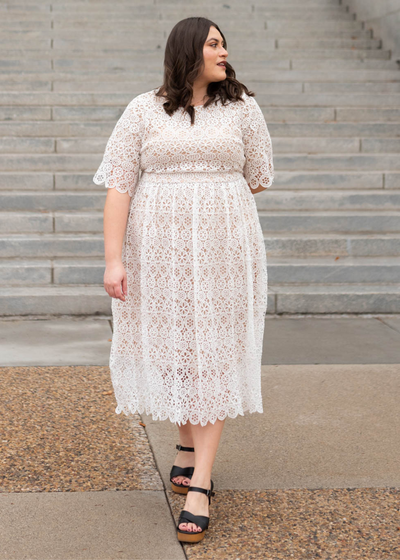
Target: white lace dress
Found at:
x=187, y=342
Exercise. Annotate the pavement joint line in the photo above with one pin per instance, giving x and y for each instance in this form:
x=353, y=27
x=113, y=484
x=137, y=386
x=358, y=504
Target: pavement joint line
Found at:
x=387, y=324
x=162, y=481
x=269, y=316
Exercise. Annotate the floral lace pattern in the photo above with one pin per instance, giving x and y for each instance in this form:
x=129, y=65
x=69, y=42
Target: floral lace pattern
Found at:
x=187, y=342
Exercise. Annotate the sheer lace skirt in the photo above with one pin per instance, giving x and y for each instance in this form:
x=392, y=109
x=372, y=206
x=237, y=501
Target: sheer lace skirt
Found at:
x=187, y=341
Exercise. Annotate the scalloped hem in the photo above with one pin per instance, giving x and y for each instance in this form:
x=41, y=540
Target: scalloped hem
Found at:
x=130, y=411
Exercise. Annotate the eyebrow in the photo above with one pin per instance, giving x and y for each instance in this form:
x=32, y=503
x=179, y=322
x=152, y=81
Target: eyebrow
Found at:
x=213, y=39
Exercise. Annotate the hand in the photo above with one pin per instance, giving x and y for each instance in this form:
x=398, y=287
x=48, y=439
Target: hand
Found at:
x=114, y=277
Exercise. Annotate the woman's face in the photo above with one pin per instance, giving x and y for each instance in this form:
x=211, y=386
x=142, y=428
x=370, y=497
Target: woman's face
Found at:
x=214, y=52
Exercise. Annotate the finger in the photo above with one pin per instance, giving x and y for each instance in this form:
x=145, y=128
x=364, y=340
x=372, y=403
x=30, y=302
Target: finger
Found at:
x=118, y=292
x=125, y=284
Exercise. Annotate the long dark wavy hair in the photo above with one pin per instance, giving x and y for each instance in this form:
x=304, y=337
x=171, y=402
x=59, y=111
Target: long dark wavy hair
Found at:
x=184, y=62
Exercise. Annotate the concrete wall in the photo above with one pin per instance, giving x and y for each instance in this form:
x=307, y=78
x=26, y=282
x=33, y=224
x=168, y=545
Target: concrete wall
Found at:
x=383, y=16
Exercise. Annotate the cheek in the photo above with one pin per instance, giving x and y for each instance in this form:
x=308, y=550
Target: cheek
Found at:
x=209, y=60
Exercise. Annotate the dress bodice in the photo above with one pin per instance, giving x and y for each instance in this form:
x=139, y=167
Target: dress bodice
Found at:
x=231, y=138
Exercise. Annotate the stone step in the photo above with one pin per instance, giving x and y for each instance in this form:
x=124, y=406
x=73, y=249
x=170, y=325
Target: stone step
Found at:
x=154, y=79
x=293, y=221
x=334, y=270
x=9, y=67
x=101, y=130
x=92, y=65
x=45, y=43
x=284, y=162
x=329, y=43
x=331, y=298
x=277, y=25
x=289, y=270
x=294, y=180
x=85, y=115
x=340, y=87
x=278, y=244
x=54, y=300
x=118, y=101
x=282, y=144
x=359, y=130
x=313, y=299
x=154, y=58
x=33, y=205
x=185, y=10
x=322, y=75
x=307, y=245
x=356, y=221
x=273, y=220
x=263, y=42
x=123, y=17
x=126, y=36
x=349, y=200
x=50, y=245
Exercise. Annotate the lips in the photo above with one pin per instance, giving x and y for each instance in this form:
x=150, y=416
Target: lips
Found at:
x=221, y=64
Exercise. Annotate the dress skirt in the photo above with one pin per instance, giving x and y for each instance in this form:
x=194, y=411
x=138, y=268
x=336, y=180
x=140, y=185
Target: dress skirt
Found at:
x=187, y=342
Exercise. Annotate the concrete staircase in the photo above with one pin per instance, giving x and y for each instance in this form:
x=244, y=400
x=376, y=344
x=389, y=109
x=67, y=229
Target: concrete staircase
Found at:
x=330, y=95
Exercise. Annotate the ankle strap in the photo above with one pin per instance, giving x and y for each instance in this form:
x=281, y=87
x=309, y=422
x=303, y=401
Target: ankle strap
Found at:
x=203, y=490
x=181, y=448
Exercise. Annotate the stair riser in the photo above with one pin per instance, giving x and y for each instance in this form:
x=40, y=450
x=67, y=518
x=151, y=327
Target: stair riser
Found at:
x=339, y=303
x=88, y=162
x=263, y=54
x=102, y=130
x=330, y=224
x=282, y=303
x=118, y=101
x=288, y=274
x=74, y=304
x=19, y=207
x=316, y=246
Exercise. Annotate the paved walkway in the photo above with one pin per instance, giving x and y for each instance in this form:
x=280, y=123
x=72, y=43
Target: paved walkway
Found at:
x=315, y=476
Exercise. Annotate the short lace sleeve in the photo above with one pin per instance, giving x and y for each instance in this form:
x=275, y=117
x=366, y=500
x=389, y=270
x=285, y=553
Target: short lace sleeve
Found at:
x=259, y=167
x=121, y=160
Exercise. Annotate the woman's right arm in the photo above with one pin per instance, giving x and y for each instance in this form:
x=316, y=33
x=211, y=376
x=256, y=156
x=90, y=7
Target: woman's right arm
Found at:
x=116, y=210
x=119, y=171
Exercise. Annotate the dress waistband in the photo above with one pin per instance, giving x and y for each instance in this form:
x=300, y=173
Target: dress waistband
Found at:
x=191, y=176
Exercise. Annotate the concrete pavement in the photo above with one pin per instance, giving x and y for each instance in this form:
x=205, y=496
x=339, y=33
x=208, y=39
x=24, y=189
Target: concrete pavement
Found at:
x=326, y=447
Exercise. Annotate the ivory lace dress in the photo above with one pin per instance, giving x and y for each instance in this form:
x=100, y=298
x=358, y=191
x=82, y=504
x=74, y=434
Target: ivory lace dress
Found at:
x=187, y=341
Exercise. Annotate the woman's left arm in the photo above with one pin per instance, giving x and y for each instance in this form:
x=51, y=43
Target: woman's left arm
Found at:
x=259, y=166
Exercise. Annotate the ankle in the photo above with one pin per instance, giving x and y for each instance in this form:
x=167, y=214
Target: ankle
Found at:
x=202, y=480
x=187, y=443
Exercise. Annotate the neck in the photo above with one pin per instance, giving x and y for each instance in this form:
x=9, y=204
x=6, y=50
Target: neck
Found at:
x=199, y=94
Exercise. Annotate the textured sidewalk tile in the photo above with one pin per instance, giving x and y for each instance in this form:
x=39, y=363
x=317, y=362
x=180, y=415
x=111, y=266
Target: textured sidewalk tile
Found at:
x=326, y=524
x=107, y=525
x=60, y=432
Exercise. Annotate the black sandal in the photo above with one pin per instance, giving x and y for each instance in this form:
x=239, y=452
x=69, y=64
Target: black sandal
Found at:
x=181, y=471
x=200, y=520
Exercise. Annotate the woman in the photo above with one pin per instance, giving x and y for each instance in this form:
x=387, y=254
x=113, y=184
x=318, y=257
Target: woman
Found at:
x=190, y=289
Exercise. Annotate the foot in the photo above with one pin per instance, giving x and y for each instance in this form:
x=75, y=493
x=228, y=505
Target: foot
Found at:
x=184, y=459
x=196, y=503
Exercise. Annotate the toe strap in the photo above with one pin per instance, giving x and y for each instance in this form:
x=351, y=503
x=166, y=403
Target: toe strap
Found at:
x=200, y=520
x=181, y=471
